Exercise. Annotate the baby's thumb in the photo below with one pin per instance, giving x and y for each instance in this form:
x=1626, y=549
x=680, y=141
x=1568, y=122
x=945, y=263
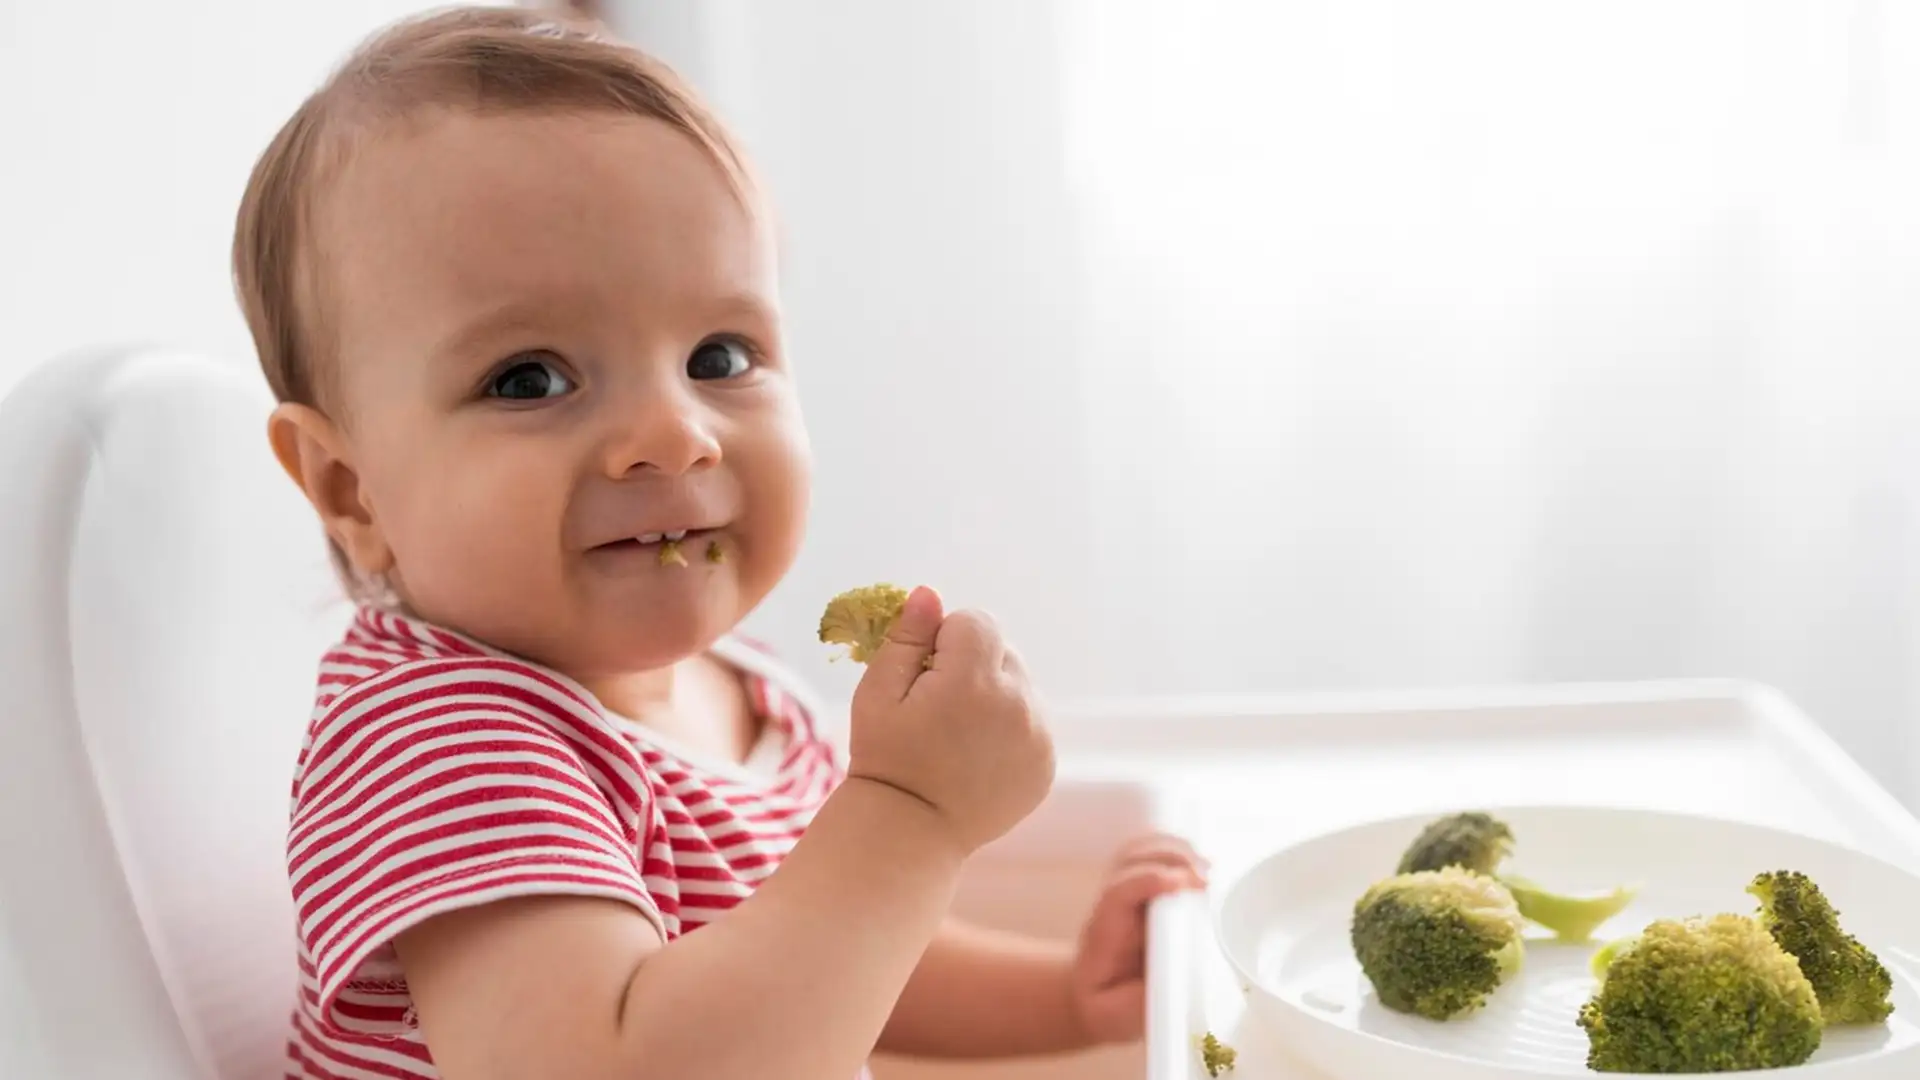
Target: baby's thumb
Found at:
x=903, y=656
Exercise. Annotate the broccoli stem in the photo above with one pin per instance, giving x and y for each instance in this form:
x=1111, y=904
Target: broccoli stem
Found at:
x=1605, y=955
x=1571, y=918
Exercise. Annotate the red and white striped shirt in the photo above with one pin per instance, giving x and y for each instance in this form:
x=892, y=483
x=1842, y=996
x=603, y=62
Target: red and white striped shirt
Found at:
x=439, y=774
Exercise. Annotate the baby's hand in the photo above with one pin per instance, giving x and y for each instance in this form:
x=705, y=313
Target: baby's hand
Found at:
x=1109, y=972
x=945, y=714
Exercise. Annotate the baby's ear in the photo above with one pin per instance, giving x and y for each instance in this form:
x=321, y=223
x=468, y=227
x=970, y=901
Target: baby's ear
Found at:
x=319, y=461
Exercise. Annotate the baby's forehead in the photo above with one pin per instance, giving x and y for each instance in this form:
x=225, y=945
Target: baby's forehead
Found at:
x=459, y=209
x=539, y=180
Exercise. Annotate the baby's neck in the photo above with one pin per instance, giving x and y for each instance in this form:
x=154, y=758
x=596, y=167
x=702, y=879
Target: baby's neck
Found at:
x=699, y=703
x=640, y=696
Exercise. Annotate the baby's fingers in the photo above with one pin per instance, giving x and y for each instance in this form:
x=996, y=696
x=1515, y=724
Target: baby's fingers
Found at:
x=969, y=640
x=1159, y=849
x=903, y=656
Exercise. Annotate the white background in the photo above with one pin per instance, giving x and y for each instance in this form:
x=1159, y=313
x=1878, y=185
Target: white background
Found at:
x=1224, y=346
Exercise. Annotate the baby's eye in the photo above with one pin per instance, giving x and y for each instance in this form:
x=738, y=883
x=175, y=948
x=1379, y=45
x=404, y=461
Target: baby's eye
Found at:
x=721, y=358
x=529, y=379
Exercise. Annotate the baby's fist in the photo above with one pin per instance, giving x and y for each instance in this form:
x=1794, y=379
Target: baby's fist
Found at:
x=945, y=713
x=1109, y=979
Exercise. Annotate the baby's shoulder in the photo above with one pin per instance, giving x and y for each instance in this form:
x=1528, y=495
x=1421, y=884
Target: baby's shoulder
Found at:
x=390, y=672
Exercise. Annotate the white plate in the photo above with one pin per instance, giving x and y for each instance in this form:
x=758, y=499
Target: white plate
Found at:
x=1284, y=929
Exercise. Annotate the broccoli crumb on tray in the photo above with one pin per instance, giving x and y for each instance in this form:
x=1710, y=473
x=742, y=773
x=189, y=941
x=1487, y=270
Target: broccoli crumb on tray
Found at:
x=1215, y=1056
x=861, y=618
x=1710, y=993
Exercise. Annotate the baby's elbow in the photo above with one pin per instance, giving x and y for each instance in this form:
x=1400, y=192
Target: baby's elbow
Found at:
x=529, y=988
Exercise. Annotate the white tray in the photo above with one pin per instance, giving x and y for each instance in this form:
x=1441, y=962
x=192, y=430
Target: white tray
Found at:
x=1243, y=778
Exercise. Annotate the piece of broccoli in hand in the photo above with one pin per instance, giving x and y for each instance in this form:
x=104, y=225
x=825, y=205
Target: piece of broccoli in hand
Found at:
x=1851, y=982
x=1437, y=942
x=1482, y=843
x=861, y=618
x=1700, y=995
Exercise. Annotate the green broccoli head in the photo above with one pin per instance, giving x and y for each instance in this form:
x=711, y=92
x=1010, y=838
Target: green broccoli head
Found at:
x=1701, y=995
x=1481, y=842
x=1435, y=943
x=861, y=618
x=1477, y=841
x=1851, y=982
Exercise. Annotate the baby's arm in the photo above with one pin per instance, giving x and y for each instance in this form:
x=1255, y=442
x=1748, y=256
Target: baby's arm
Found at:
x=799, y=979
x=982, y=993
x=795, y=982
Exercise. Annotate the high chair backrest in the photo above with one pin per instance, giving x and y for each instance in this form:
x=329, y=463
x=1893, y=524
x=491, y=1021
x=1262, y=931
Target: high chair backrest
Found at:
x=164, y=599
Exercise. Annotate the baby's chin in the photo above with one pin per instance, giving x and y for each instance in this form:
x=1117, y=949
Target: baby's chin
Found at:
x=647, y=633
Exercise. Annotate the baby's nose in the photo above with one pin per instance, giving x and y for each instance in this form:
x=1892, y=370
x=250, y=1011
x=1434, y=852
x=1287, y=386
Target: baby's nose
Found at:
x=670, y=437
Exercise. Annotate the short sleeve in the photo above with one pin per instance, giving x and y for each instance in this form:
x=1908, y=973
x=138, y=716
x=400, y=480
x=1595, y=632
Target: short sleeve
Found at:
x=445, y=785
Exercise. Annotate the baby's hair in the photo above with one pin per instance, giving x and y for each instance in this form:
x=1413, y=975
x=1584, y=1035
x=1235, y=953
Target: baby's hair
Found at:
x=482, y=59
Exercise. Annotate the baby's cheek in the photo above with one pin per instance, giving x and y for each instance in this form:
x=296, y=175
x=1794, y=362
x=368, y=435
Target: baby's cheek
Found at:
x=779, y=487
x=471, y=530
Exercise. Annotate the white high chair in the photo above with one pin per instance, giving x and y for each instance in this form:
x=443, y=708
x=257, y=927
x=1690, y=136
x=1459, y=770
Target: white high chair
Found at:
x=164, y=598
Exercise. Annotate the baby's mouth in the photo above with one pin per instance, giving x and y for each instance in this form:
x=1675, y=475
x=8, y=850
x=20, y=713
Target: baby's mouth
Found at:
x=649, y=539
x=675, y=547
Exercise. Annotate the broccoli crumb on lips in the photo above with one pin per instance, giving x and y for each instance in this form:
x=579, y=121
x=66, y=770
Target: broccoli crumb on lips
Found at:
x=675, y=548
x=671, y=555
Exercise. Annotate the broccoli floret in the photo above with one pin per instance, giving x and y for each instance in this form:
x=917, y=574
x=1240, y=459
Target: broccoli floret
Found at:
x=1215, y=1056
x=1478, y=841
x=860, y=619
x=1482, y=843
x=1700, y=995
x=1851, y=982
x=715, y=553
x=1435, y=943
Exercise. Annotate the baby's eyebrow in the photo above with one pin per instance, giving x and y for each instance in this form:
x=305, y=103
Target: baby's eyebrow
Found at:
x=489, y=327
x=743, y=305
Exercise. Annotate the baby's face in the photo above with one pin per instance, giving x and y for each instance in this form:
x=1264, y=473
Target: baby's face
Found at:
x=558, y=342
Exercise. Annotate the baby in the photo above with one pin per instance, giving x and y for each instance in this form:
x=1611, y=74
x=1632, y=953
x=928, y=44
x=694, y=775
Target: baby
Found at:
x=515, y=291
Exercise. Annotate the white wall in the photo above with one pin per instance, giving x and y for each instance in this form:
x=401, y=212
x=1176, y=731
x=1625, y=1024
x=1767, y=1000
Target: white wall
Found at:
x=127, y=129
